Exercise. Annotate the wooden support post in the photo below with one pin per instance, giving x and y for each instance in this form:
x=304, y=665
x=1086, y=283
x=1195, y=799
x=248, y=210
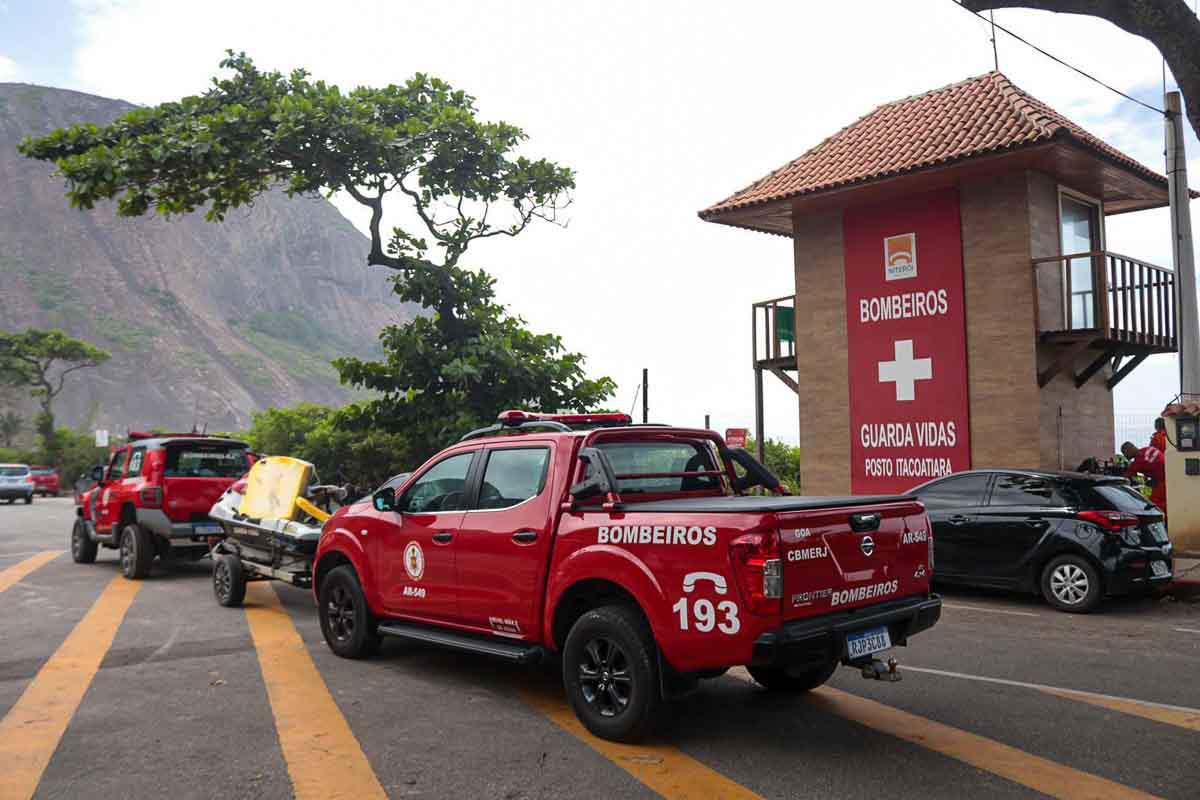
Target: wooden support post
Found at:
x=787, y=379
x=1096, y=366
x=1066, y=357
x=759, y=441
x=1129, y=367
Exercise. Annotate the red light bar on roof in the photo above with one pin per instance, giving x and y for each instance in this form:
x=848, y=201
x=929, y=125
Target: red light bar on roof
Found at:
x=517, y=417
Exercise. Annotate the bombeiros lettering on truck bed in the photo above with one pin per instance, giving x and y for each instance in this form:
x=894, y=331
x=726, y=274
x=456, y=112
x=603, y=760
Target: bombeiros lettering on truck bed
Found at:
x=656, y=534
x=641, y=555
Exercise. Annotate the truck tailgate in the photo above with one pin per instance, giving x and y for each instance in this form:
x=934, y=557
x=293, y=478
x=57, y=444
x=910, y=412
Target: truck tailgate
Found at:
x=829, y=566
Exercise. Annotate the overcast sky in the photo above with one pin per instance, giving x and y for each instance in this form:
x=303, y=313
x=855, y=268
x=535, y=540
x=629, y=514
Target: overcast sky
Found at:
x=662, y=108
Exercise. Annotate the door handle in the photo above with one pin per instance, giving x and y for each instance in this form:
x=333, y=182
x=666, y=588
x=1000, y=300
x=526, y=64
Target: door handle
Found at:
x=443, y=537
x=1036, y=522
x=958, y=519
x=525, y=537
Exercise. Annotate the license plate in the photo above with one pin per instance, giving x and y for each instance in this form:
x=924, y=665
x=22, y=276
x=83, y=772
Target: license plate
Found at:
x=868, y=642
x=1159, y=568
x=207, y=529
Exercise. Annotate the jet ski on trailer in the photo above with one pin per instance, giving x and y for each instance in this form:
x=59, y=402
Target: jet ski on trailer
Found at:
x=272, y=519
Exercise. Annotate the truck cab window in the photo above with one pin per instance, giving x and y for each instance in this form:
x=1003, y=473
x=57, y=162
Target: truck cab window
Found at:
x=513, y=476
x=634, y=459
x=441, y=488
x=116, y=468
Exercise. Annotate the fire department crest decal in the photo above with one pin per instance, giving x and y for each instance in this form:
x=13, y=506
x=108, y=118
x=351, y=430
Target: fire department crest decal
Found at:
x=414, y=561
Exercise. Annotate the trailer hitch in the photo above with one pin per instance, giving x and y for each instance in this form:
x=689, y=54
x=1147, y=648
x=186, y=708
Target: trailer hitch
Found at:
x=879, y=671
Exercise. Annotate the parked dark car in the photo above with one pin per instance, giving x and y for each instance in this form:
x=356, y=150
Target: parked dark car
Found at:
x=1070, y=537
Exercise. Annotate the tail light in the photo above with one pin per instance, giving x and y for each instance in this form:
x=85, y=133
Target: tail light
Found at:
x=151, y=496
x=29, y=479
x=930, y=551
x=1110, y=521
x=756, y=558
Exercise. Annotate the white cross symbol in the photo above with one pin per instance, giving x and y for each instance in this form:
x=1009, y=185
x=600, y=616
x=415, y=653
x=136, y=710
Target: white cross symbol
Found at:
x=905, y=371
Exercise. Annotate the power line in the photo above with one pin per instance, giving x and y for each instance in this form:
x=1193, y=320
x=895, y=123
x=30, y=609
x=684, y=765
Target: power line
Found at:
x=1053, y=57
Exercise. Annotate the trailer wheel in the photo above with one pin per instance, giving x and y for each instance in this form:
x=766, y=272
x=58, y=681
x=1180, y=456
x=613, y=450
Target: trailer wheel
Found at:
x=349, y=627
x=137, y=551
x=610, y=672
x=83, y=549
x=229, y=580
x=778, y=679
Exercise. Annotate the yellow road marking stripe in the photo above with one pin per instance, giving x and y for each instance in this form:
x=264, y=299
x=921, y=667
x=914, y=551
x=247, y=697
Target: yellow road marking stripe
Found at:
x=324, y=759
x=32, y=729
x=10, y=576
x=662, y=768
x=1179, y=716
x=1035, y=772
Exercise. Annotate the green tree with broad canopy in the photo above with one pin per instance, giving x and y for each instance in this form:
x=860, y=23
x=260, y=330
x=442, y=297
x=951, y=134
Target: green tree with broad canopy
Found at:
x=42, y=360
x=419, y=144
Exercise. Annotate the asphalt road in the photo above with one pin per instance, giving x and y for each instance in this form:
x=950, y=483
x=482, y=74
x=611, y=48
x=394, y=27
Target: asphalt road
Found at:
x=132, y=690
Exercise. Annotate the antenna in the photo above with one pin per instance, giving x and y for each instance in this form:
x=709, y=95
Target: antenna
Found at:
x=995, y=53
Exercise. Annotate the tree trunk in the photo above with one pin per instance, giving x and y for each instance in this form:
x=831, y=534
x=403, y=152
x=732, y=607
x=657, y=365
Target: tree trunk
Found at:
x=1170, y=25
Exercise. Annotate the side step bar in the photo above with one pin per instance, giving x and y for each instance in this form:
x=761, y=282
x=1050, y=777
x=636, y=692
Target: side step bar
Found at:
x=517, y=653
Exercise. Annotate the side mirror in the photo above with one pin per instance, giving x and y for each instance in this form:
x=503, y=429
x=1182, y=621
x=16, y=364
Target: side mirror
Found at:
x=384, y=499
x=98, y=474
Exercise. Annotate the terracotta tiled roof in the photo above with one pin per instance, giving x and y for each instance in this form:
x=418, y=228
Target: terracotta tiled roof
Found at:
x=978, y=116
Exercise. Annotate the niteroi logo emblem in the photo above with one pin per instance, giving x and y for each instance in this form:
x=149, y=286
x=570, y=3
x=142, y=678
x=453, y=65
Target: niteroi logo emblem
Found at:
x=414, y=561
x=900, y=256
x=867, y=545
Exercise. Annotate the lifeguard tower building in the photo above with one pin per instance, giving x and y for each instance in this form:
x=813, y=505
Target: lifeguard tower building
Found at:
x=955, y=305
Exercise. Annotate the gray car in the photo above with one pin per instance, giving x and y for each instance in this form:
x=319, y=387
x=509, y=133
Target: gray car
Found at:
x=16, y=481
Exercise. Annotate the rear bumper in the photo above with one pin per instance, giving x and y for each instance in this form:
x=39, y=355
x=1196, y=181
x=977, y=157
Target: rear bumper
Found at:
x=1131, y=571
x=179, y=533
x=819, y=640
x=10, y=492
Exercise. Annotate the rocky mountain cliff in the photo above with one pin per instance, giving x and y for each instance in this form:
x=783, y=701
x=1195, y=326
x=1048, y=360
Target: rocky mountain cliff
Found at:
x=207, y=322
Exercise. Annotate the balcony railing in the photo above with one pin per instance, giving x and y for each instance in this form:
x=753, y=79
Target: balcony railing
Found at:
x=774, y=329
x=1109, y=296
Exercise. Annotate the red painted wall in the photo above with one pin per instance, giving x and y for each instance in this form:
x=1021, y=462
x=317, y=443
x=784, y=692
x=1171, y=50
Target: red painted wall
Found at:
x=906, y=342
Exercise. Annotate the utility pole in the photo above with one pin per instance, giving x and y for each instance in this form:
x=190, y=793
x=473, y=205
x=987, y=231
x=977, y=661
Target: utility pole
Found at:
x=707, y=426
x=1181, y=250
x=645, y=396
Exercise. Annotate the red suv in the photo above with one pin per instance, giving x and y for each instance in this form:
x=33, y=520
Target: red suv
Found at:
x=45, y=481
x=154, y=496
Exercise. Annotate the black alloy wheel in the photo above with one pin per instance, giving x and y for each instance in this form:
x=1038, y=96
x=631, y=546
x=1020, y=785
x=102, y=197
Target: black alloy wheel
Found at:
x=604, y=677
x=83, y=549
x=610, y=673
x=229, y=580
x=349, y=627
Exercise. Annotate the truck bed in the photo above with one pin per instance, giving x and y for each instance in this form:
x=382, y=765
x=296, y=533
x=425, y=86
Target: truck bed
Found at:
x=739, y=505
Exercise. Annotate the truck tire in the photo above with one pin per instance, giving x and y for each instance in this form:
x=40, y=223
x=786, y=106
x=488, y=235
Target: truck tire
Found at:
x=229, y=580
x=610, y=673
x=1070, y=583
x=778, y=679
x=137, y=551
x=83, y=549
x=349, y=626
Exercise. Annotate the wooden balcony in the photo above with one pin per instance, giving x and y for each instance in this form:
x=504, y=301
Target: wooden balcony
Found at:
x=1123, y=308
x=773, y=324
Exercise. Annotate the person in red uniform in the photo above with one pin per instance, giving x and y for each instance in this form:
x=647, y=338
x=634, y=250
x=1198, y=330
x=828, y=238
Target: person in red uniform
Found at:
x=1150, y=462
x=1159, y=437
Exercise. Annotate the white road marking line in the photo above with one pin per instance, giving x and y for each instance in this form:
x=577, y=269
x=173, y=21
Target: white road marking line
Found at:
x=1188, y=630
x=1042, y=687
x=990, y=610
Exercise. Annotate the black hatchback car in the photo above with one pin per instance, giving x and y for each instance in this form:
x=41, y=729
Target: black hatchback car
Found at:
x=1071, y=537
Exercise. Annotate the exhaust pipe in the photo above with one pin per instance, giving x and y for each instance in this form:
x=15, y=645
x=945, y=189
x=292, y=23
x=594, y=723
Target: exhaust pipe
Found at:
x=879, y=671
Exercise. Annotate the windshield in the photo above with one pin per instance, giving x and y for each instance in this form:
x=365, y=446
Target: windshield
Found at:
x=13, y=472
x=205, y=461
x=631, y=459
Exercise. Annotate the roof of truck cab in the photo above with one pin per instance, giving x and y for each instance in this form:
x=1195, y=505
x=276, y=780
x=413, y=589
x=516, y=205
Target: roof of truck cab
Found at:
x=162, y=441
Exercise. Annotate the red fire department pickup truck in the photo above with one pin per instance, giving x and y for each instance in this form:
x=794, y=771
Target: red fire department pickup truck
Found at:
x=635, y=553
x=153, y=498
